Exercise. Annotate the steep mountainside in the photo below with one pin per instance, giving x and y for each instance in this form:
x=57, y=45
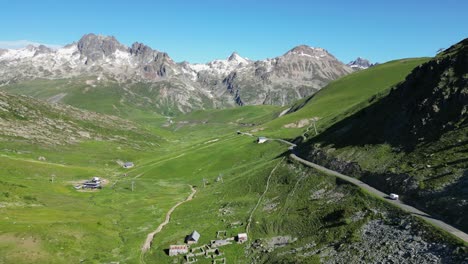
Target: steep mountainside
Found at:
x=297, y=74
x=339, y=99
x=236, y=80
x=413, y=141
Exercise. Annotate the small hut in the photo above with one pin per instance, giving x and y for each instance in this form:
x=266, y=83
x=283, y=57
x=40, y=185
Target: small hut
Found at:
x=128, y=165
x=192, y=238
x=242, y=237
x=261, y=140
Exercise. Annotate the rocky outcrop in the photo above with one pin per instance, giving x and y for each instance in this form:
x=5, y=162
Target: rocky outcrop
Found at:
x=399, y=241
x=360, y=64
x=95, y=48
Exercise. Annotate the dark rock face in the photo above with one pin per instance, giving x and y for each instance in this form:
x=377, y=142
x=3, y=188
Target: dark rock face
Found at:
x=155, y=64
x=143, y=52
x=94, y=47
x=229, y=83
x=432, y=100
x=387, y=182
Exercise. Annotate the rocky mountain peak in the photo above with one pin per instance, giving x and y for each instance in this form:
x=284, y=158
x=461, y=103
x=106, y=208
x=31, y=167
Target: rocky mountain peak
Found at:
x=304, y=50
x=42, y=49
x=139, y=48
x=360, y=63
x=235, y=57
x=96, y=47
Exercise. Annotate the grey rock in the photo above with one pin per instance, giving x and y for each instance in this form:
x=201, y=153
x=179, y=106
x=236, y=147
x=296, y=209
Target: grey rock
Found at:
x=298, y=73
x=95, y=47
x=360, y=64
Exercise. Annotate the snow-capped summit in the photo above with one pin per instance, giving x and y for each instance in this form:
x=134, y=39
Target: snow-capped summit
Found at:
x=236, y=58
x=360, y=64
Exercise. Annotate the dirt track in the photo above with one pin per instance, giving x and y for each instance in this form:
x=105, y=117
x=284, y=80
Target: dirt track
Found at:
x=149, y=238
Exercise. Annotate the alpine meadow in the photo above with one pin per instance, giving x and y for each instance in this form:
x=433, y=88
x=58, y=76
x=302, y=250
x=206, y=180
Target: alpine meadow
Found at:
x=117, y=153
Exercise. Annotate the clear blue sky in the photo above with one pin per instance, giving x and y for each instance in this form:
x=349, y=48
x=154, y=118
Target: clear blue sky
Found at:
x=202, y=30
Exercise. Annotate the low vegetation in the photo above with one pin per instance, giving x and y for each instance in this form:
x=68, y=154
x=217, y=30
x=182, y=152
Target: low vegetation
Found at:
x=292, y=214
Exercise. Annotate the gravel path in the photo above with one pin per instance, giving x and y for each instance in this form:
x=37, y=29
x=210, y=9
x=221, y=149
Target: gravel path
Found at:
x=149, y=239
x=247, y=229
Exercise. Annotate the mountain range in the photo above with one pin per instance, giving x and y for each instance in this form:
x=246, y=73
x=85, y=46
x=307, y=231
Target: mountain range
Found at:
x=97, y=60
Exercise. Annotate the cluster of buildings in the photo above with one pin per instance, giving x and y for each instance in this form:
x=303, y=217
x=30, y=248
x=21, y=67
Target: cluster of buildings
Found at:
x=94, y=183
x=208, y=250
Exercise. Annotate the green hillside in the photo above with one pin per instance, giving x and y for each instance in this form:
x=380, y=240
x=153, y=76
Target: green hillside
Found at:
x=136, y=101
x=417, y=135
x=291, y=213
x=341, y=98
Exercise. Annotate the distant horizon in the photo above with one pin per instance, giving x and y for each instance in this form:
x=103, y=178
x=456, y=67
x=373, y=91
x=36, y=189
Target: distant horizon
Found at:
x=202, y=31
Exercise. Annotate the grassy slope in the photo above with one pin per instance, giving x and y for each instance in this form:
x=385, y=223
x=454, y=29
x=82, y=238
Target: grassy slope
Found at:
x=343, y=97
x=247, y=115
x=60, y=224
x=107, y=98
x=418, y=134
x=50, y=222
x=47, y=222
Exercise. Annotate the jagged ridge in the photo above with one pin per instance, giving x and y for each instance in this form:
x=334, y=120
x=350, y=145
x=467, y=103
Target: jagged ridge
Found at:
x=281, y=80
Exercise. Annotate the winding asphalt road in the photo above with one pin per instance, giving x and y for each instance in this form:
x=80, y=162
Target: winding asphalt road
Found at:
x=418, y=213
x=407, y=208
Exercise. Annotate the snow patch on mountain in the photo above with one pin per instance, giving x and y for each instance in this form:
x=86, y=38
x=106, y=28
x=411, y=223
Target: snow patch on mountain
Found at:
x=235, y=80
x=221, y=67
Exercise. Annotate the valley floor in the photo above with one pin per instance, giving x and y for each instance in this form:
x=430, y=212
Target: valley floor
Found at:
x=289, y=212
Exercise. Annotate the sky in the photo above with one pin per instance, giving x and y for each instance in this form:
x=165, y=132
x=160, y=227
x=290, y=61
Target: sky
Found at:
x=199, y=31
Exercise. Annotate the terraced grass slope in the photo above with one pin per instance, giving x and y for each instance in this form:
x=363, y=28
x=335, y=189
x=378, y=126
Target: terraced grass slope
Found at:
x=413, y=141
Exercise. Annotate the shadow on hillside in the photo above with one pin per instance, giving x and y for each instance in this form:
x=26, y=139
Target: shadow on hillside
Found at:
x=442, y=204
x=418, y=110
